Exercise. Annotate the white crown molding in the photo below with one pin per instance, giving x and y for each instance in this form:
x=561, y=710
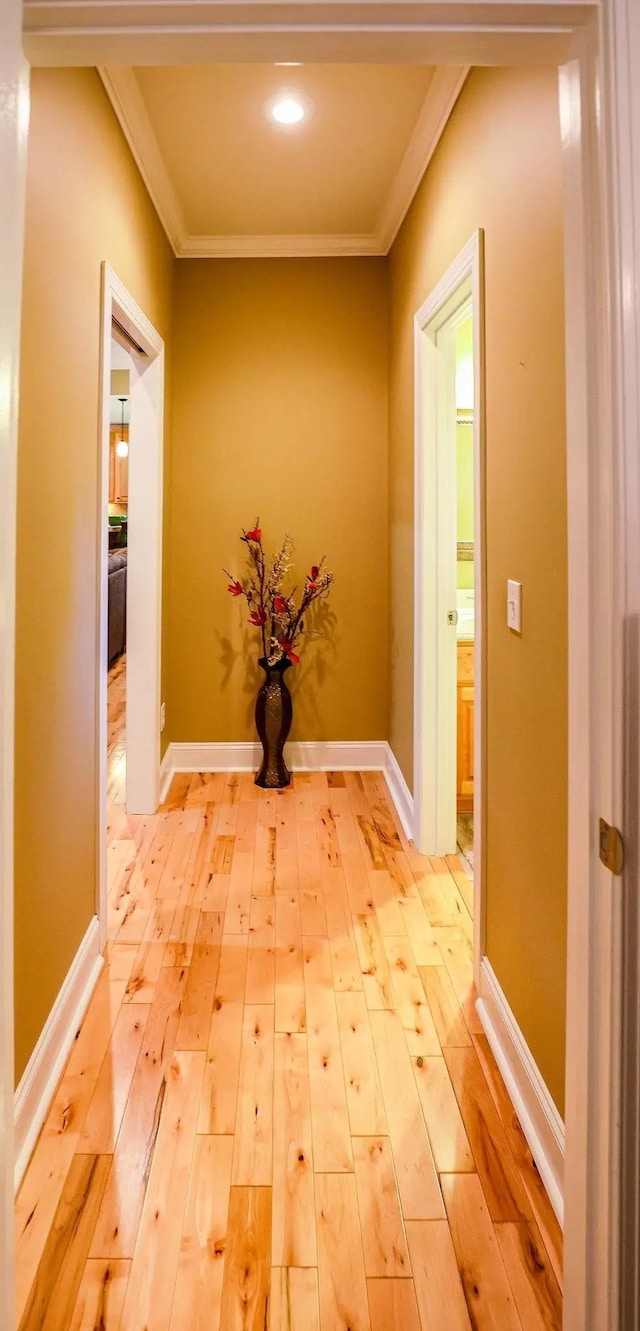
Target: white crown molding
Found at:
x=279, y=247
x=442, y=94
x=126, y=99
x=124, y=93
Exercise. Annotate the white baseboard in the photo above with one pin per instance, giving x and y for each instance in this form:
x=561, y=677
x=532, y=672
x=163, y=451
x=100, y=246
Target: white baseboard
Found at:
x=539, y=1118
x=302, y=756
x=41, y=1076
x=400, y=794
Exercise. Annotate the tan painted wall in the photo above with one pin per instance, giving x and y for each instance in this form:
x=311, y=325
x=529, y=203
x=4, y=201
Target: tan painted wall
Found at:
x=85, y=203
x=280, y=410
x=498, y=167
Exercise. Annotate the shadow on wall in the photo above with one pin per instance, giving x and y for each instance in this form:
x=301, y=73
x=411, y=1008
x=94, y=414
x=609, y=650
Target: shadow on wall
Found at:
x=317, y=665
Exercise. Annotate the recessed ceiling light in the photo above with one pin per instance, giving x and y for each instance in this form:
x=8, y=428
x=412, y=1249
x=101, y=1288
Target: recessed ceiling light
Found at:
x=288, y=111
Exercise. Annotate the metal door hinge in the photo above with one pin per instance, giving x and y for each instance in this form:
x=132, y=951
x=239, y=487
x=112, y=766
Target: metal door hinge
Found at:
x=611, y=847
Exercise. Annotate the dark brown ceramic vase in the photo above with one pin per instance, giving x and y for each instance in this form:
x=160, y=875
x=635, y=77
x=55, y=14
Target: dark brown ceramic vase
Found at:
x=274, y=713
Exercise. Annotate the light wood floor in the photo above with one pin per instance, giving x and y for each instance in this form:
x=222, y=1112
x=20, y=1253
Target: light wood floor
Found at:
x=280, y=1113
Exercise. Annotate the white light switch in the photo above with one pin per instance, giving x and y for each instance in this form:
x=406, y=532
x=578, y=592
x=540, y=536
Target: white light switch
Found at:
x=514, y=605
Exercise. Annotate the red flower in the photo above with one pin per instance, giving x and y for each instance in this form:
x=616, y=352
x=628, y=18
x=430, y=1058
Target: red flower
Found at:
x=280, y=605
x=314, y=572
x=258, y=617
x=312, y=577
x=255, y=534
x=287, y=647
x=236, y=588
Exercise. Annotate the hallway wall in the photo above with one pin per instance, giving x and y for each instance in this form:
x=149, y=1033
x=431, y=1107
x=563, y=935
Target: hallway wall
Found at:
x=498, y=166
x=280, y=411
x=85, y=202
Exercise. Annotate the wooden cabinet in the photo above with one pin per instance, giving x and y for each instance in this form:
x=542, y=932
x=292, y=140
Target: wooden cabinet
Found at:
x=464, y=784
x=118, y=468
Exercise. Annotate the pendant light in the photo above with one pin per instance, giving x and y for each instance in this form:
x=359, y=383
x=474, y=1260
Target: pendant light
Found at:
x=122, y=447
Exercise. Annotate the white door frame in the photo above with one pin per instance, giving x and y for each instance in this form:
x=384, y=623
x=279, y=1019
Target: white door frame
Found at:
x=14, y=98
x=459, y=292
x=144, y=566
x=601, y=121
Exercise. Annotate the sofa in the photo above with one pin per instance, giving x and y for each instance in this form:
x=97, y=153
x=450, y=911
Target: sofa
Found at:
x=117, y=605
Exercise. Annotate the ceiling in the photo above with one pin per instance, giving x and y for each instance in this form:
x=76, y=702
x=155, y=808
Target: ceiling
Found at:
x=226, y=180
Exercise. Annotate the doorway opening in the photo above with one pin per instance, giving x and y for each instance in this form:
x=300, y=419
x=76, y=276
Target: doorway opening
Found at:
x=465, y=590
x=130, y=567
x=117, y=534
x=449, y=674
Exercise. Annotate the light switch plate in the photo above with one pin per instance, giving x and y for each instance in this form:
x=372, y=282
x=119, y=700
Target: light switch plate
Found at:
x=514, y=605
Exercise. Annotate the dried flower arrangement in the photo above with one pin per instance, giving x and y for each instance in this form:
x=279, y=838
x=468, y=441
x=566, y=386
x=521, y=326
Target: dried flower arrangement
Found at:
x=281, y=619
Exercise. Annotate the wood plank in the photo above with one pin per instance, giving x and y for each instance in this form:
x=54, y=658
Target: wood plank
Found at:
x=413, y=1009
x=542, y=1209
x=263, y=882
x=222, y=854
x=376, y=976
x=146, y=972
x=389, y=914
x=238, y=909
x=393, y=1305
x=459, y=965
x=417, y=1179
x=232, y=969
x=294, y=1231
x=416, y=926
x=220, y=1085
x=445, y=1008
x=294, y=1299
x=383, y=1237
x=364, y=1096
x=45, y=1177
x=195, y=1019
x=327, y=834
x=436, y=888
x=329, y=1114
x=117, y=1226
x=349, y=838
x=341, y=1277
x=482, y=1271
x=153, y=1271
x=374, y=855
x=441, y=1301
x=101, y=1126
x=253, y=1144
x=247, y=1272
x=503, y=1188
x=535, y=1288
x=187, y=833
x=449, y=1141
x=404, y=883
x=345, y=965
x=101, y=1296
x=312, y=913
x=246, y=826
x=197, y=1300
x=290, y=1005
x=53, y=1294
x=182, y=936
x=261, y=961
x=462, y=880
